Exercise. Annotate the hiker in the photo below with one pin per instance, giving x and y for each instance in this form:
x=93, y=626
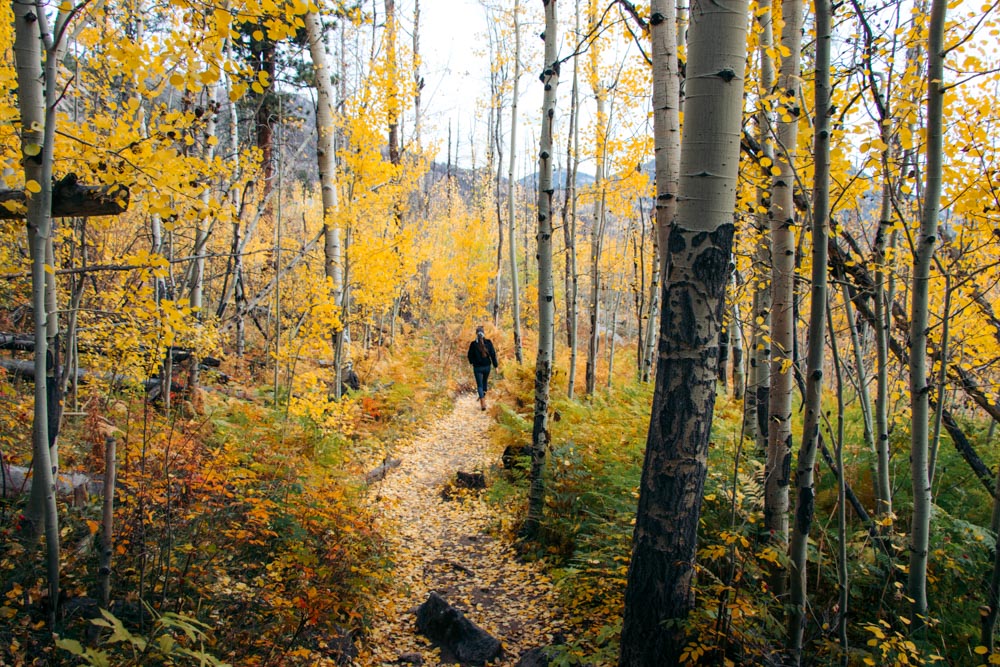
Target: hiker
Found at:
x=482, y=355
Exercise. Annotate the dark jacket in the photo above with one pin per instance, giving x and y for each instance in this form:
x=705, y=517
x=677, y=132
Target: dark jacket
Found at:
x=476, y=357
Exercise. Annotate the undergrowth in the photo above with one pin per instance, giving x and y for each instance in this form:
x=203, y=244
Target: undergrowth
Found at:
x=593, y=472
x=240, y=534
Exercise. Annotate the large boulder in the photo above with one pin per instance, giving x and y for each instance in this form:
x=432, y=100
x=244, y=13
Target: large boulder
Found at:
x=458, y=637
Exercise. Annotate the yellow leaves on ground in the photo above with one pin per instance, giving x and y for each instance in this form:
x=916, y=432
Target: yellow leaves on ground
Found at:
x=450, y=547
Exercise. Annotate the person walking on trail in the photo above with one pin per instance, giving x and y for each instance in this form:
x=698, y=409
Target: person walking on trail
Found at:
x=482, y=356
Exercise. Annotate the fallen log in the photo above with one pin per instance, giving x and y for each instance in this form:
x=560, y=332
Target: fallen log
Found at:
x=26, y=370
x=70, y=200
x=17, y=342
x=379, y=473
x=16, y=480
x=460, y=639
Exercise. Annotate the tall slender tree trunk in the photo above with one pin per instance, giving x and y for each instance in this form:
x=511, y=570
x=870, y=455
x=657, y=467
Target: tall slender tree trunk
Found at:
x=37, y=94
x=782, y=222
x=859, y=363
x=202, y=232
x=737, y=342
x=326, y=161
x=659, y=593
x=759, y=390
x=666, y=144
x=988, y=621
x=393, y=95
x=569, y=225
x=652, y=321
x=418, y=80
x=882, y=293
x=515, y=288
x=926, y=242
x=804, y=481
x=596, y=242
x=546, y=294
x=597, y=227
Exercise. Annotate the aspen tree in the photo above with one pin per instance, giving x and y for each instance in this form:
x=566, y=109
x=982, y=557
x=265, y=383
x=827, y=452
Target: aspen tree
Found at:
x=925, y=242
x=988, y=620
x=569, y=215
x=392, y=102
x=659, y=593
x=205, y=222
x=326, y=161
x=666, y=143
x=597, y=226
x=37, y=95
x=756, y=406
x=882, y=297
x=737, y=342
x=782, y=224
x=804, y=482
x=515, y=288
x=546, y=292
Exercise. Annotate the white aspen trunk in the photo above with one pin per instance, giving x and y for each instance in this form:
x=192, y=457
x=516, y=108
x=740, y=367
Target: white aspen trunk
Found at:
x=392, y=105
x=597, y=227
x=107, y=521
x=204, y=225
x=666, y=116
x=54, y=403
x=417, y=79
x=883, y=319
x=859, y=364
x=515, y=288
x=202, y=231
x=926, y=242
x=737, y=342
x=546, y=292
x=613, y=332
x=804, y=480
x=659, y=594
x=782, y=222
x=654, y=313
x=573, y=279
x=759, y=391
x=36, y=103
x=326, y=162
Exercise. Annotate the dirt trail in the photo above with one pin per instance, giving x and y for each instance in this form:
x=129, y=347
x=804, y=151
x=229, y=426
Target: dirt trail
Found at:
x=449, y=547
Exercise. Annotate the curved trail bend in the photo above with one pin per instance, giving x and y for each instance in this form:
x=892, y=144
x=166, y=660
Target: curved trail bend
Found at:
x=451, y=547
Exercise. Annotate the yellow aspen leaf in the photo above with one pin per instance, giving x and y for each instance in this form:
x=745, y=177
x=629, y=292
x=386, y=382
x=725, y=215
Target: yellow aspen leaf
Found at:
x=32, y=150
x=176, y=80
x=257, y=88
x=258, y=35
x=980, y=650
x=33, y=187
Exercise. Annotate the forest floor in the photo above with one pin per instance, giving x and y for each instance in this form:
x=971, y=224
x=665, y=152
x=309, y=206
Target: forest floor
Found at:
x=454, y=547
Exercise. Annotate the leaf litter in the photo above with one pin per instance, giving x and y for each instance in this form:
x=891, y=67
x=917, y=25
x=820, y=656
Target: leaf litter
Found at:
x=454, y=548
